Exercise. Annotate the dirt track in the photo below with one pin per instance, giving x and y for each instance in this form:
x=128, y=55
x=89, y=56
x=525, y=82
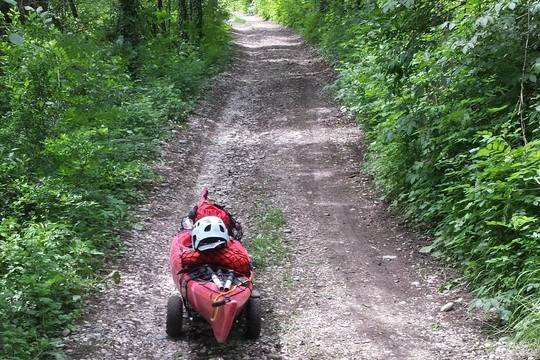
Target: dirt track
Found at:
x=356, y=286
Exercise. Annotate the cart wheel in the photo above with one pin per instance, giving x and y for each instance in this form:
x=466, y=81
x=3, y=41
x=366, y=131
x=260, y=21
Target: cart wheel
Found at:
x=253, y=318
x=174, y=316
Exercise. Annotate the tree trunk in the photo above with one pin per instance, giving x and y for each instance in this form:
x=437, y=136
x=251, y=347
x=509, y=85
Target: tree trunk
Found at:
x=130, y=28
x=168, y=25
x=323, y=5
x=182, y=18
x=197, y=17
x=73, y=8
x=161, y=25
x=129, y=21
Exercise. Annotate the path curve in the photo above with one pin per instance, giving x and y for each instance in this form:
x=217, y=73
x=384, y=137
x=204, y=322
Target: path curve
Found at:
x=355, y=287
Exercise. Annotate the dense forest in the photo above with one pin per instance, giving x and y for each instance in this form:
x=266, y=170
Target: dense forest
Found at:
x=88, y=89
x=447, y=94
x=445, y=90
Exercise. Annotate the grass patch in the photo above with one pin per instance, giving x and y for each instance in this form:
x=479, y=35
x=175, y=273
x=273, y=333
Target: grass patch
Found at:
x=268, y=246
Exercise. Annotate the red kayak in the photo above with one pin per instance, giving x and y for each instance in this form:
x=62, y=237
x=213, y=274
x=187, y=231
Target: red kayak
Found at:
x=217, y=285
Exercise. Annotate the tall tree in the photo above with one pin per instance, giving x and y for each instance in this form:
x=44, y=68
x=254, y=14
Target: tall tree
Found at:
x=161, y=25
x=169, y=13
x=73, y=8
x=197, y=18
x=128, y=22
x=183, y=18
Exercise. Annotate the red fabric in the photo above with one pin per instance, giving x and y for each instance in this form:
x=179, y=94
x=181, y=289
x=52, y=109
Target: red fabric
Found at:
x=208, y=209
x=185, y=238
x=234, y=257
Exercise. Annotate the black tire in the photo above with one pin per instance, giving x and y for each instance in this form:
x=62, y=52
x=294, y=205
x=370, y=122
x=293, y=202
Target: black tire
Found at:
x=253, y=318
x=175, y=311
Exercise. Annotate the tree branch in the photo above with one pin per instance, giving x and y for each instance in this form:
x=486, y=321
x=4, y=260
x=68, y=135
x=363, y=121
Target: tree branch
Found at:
x=521, y=101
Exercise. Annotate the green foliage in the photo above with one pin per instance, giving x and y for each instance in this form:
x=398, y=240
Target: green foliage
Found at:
x=82, y=113
x=245, y=6
x=447, y=94
x=268, y=246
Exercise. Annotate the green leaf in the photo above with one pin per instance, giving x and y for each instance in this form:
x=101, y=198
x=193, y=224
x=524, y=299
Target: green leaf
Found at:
x=389, y=6
x=15, y=39
x=407, y=3
x=10, y=2
x=496, y=109
x=115, y=275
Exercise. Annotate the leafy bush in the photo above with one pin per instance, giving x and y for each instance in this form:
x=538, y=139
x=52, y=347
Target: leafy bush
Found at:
x=447, y=94
x=83, y=113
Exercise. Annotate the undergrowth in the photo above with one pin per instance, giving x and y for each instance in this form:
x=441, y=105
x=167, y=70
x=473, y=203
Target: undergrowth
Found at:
x=83, y=112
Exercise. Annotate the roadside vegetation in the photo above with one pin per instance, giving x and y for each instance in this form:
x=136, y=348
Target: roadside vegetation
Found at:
x=447, y=93
x=268, y=245
x=88, y=89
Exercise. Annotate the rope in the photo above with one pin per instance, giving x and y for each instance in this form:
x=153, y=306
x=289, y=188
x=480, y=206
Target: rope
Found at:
x=224, y=294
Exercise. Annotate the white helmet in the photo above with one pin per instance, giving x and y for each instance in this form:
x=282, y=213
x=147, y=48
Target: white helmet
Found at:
x=209, y=233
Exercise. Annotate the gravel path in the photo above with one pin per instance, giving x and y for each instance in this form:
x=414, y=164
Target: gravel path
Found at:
x=355, y=287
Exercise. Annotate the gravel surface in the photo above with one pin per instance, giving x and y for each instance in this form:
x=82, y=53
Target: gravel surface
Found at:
x=355, y=286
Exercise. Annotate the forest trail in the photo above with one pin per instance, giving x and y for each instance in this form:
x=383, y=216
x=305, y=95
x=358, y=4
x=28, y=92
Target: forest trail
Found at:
x=355, y=287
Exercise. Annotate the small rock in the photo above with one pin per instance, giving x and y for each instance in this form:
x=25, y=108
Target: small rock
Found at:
x=415, y=283
x=287, y=231
x=389, y=257
x=447, y=307
x=66, y=332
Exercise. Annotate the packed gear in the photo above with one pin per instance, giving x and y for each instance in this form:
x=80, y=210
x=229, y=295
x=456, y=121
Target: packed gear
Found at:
x=233, y=256
x=210, y=242
x=212, y=271
x=209, y=208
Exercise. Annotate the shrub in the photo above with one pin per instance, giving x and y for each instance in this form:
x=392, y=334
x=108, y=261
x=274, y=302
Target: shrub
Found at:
x=83, y=113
